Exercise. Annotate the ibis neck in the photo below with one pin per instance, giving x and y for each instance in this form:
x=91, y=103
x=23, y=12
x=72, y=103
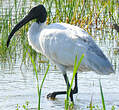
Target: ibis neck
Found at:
x=34, y=35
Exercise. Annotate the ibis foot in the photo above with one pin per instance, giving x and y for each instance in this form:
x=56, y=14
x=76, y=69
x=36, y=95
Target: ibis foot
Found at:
x=51, y=96
x=54, y=94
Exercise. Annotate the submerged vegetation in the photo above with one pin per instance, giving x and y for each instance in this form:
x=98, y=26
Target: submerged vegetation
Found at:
x=98, y=15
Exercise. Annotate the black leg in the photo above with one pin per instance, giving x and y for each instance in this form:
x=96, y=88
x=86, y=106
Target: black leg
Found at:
x=74, y=91
x=68, y=85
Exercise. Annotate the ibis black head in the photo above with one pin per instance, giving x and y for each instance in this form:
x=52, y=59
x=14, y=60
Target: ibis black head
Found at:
x=39, y=13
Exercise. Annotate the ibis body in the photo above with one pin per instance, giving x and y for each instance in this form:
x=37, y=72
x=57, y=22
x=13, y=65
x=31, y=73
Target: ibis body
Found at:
x=61, y=43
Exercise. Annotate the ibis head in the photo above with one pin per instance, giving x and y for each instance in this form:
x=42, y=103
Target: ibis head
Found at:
x=39, y=13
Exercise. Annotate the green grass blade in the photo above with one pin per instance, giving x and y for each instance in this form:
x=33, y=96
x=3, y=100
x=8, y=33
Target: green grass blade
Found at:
x=34, y=66
x=74, y=72
x=42, y=86
x=39, y=90
x=102, y=96
x=76, y=67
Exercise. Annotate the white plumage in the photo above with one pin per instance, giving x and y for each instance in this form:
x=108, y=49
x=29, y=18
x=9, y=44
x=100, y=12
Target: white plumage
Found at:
x=61, y=42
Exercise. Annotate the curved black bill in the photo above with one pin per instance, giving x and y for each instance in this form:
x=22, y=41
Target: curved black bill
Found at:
x=18, y=26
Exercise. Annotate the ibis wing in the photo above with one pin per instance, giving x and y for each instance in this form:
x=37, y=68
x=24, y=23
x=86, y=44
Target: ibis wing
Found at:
x=95, y=59
x=62, y=44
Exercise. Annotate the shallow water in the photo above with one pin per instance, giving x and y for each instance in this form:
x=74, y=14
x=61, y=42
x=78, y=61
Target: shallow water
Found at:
x=17, y=88
x=18, y=85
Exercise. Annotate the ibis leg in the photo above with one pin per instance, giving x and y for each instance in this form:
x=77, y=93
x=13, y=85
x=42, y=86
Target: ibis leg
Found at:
x=74, y=91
